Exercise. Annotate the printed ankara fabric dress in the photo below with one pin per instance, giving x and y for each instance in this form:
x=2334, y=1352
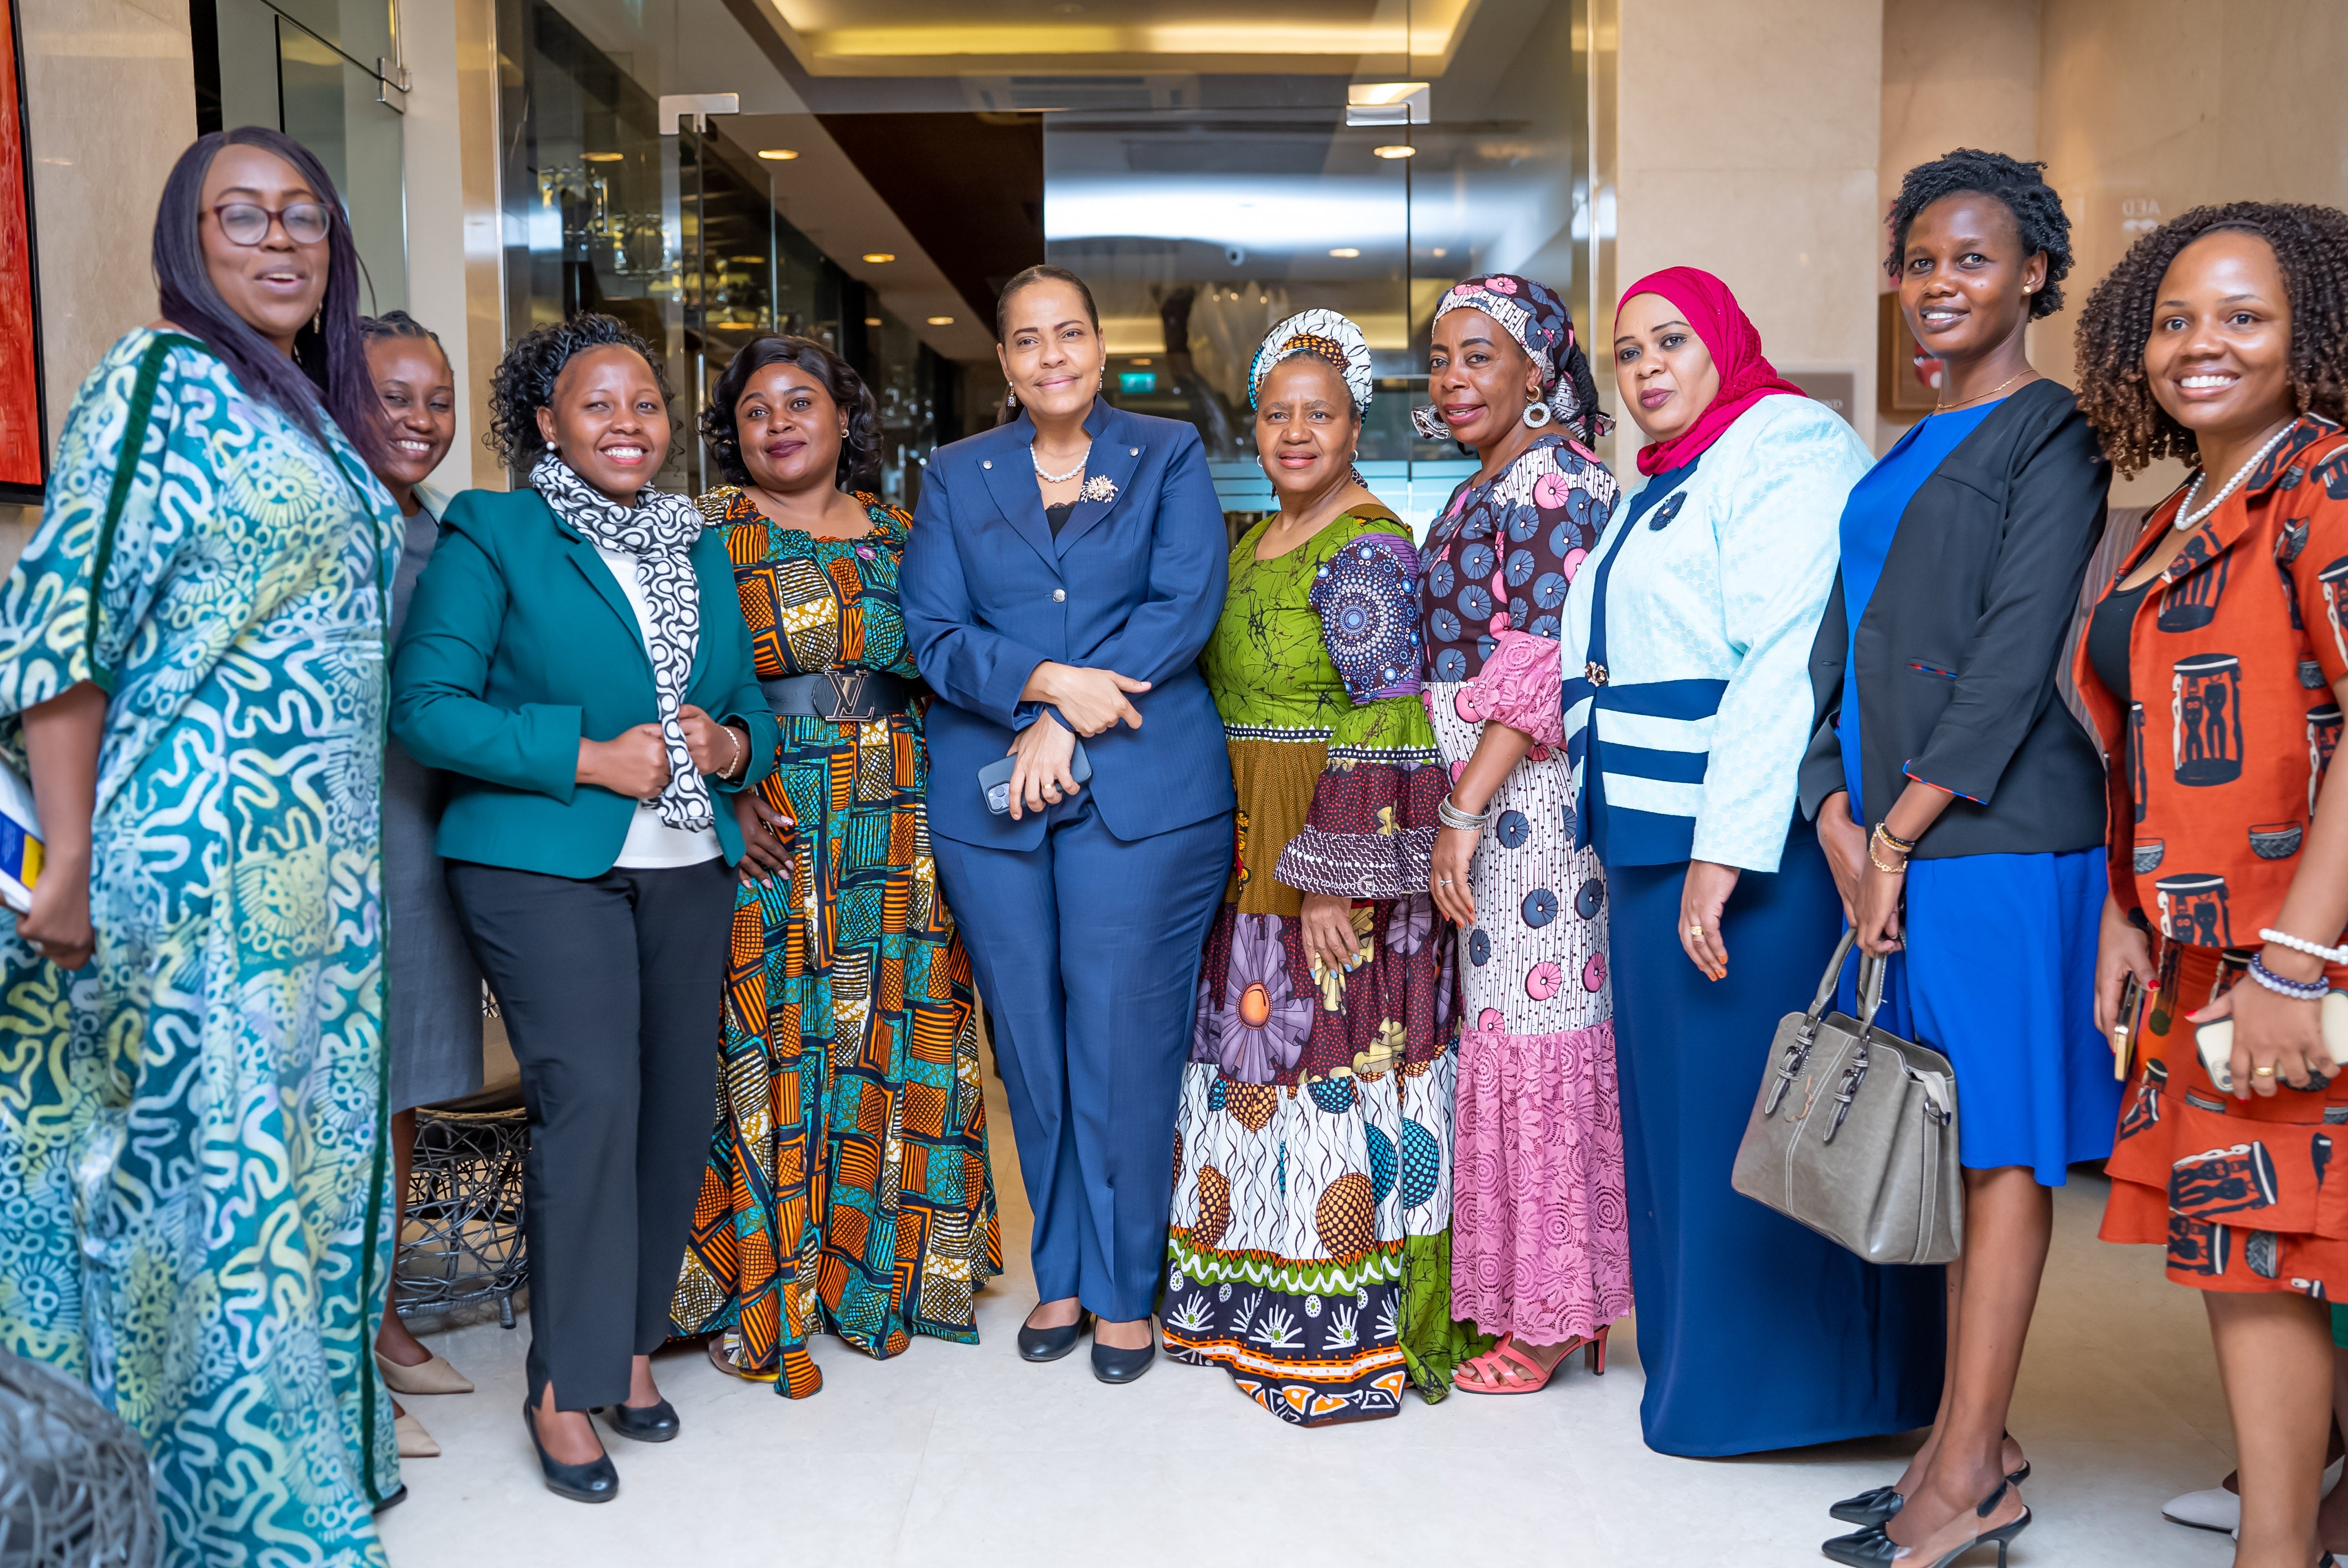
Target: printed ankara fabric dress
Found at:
x=1538, y=1245
x=2220, y=750
x=1310, y=1255
x=847, y=1185
x=192, y=1151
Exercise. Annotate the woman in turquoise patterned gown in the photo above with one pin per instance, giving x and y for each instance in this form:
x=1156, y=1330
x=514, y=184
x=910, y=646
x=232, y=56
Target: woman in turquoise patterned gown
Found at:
x=192, y=1167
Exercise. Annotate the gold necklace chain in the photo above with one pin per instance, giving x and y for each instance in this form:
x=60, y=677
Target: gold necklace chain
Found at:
x=1993, y=392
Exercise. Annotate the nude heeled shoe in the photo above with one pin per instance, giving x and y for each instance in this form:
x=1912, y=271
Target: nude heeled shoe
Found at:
x=415, y=1442
x=433, y=1376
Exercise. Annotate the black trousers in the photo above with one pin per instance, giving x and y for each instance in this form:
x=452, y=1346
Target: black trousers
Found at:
x=611, y=989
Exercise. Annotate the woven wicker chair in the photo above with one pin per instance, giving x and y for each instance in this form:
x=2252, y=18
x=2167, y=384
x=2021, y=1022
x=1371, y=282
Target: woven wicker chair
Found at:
x=75, y=1489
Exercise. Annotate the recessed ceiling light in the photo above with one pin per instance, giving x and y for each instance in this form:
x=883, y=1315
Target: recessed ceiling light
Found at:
x=878, y=257
x=777, y=154
x=1141, y=362
x=1440, y=251
x=1345, y=253
x=1395, y=150
x=603, y=157
x=941, y=321
x=871, y=321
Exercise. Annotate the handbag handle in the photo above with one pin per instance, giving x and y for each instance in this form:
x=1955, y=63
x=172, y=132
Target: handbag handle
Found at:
x=1834, y=973
x=1797, y=1051
x=1873, y=970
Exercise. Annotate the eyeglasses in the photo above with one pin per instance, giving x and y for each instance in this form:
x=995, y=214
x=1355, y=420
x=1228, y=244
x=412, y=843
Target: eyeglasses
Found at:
x=247, y=222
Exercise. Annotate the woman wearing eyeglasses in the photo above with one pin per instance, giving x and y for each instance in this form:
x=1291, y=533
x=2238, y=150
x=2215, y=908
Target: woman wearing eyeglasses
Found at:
x=192, y=669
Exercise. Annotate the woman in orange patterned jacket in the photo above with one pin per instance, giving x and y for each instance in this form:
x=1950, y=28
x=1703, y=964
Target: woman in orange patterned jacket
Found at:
x=2215, y=666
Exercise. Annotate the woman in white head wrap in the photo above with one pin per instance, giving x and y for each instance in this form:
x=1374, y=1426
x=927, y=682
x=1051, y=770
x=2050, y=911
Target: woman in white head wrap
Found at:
x=1311, y=1251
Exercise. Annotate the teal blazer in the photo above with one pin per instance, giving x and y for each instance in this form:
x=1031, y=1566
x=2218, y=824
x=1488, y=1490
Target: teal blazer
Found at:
x=518, y=644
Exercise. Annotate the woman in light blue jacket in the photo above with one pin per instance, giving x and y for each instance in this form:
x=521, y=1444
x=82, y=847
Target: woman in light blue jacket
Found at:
x=1688, y=703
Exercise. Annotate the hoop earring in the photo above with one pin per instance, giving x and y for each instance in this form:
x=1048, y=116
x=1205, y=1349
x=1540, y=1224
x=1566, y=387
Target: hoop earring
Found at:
x=1531, y=409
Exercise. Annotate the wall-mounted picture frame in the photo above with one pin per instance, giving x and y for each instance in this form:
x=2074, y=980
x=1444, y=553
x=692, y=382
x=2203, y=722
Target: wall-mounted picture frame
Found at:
x=24, y=426
x=1907, y=379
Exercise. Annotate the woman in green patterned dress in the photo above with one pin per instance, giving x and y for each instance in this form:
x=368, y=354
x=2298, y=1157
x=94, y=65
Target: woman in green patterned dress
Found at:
x=1311, y=1253
x=193, y=670
x=847, y=1185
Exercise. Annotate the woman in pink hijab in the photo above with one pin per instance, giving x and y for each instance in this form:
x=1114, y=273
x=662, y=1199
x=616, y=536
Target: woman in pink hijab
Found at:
x=1688, y=704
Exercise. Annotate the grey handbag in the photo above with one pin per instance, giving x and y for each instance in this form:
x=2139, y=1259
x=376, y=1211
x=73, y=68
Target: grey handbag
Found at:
x=1855, y=1131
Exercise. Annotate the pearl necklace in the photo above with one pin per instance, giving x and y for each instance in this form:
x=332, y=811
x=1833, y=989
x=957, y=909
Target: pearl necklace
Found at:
x=1060, y=478
x=2190, y=517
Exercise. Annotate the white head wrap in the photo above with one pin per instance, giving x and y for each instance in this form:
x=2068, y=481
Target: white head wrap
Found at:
x=1326, y=334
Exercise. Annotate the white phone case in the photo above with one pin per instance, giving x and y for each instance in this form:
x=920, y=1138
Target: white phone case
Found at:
x=2216, y=1040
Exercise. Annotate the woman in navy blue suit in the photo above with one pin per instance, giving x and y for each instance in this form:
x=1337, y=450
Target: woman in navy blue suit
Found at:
x=1065, y=569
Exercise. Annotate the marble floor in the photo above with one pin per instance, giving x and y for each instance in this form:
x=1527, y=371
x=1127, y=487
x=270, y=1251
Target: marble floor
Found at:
x=965, y=1455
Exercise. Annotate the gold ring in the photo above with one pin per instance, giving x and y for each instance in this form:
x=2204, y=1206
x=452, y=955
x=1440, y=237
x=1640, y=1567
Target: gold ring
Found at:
x=2262, y=1072
x=1696, y=927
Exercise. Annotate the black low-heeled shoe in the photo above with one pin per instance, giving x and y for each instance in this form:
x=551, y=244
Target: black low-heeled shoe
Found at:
x=597, y=1480
x=652, y=1424
x=1051, y=1344
x=1112, y=1365
x=392, y=1499
x=1871, y=1548
x=1870, y=1508
x=1877, y=1504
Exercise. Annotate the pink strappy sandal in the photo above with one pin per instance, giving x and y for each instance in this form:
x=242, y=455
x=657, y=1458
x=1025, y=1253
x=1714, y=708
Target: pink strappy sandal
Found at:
x=1505, y=1369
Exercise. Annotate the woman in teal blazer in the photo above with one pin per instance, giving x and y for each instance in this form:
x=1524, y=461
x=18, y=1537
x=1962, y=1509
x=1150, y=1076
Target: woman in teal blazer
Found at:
x=564, y=655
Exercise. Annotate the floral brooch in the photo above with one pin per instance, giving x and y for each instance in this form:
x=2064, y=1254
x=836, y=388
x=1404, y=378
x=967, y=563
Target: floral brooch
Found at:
x=1099, y=488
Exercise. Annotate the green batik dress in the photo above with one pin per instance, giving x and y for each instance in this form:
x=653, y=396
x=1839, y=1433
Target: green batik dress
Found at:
x=1311, y=1251
x=848, y=1186
x=192, y=1168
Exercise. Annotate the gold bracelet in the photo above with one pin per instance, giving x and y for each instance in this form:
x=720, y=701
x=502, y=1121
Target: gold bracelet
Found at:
x=1873, y=860
x=1904, y=845
x=740, y=751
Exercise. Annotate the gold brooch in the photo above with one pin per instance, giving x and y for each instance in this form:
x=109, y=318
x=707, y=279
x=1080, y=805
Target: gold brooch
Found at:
x=1099, y=488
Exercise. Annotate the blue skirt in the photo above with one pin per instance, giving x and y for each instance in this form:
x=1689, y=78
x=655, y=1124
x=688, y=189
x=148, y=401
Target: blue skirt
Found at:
x=1756, y=1333
x=1998, y=974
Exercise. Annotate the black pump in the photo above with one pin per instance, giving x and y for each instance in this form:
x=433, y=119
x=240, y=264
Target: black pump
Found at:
x=1051, y=1344
x=597, y=1480
x=652, y=1424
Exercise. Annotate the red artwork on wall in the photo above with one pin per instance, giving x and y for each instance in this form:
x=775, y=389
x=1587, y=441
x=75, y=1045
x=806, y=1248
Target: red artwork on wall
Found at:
x=22, y=463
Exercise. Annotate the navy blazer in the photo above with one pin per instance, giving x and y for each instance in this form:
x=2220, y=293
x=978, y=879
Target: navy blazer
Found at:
x=1133, y=584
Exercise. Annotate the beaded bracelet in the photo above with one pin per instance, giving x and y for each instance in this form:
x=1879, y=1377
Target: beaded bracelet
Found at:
x=2302, y=945
x=2283, y=984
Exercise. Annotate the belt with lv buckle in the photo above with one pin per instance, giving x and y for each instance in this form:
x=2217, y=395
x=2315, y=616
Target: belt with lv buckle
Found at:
x=842, y=696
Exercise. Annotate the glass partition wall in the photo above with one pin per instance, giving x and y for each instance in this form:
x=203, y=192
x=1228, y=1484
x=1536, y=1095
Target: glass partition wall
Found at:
x=1206, y=209
x=1210, y=175
x=679, y=232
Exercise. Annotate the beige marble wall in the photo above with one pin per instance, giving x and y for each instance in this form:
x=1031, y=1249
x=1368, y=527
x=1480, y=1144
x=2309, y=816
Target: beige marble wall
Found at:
x=109, y=88
x=2146, y=111
x=1951, y=82
x=1748, y=139
x=454, y=277
x=1947, y=86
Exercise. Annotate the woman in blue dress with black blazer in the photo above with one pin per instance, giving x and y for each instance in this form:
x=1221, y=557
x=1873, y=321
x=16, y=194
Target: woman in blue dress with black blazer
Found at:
x=1962, y=805
x=1064, y=571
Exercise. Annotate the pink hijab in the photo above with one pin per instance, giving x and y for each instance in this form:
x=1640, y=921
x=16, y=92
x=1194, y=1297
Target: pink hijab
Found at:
x=1745, y=377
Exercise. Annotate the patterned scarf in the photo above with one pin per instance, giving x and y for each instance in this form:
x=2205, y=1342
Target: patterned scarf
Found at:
x=1535, y=315
x=1322, y=333
x=659, y=530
